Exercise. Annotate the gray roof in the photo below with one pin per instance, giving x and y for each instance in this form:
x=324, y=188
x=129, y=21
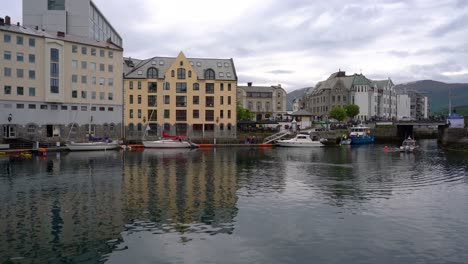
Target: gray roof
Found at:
x=260, y=88
x=53, y=35
x=224, y=68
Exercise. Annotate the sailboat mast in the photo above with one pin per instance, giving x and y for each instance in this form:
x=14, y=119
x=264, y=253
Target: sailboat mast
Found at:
x=450, y=100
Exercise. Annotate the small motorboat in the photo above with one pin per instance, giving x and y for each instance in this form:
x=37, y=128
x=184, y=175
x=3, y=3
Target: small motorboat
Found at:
x=408, y=145
x=302, y=139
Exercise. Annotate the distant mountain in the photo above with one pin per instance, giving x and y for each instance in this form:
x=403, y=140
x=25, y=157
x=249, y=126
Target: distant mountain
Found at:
x=294, y=94
x=438, y=92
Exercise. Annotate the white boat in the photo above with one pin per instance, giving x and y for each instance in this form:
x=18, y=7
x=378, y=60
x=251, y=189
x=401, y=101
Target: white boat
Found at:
x=302, y=139
x=98, y=145
x=408, y=145
x=169, y=143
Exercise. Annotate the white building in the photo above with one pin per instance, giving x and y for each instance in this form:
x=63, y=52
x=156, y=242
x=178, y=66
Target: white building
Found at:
x=376, y=99
x=403, y=107
x=77, y=17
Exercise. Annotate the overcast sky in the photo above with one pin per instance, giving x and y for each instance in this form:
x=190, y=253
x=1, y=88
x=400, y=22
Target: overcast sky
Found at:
x=298, y=43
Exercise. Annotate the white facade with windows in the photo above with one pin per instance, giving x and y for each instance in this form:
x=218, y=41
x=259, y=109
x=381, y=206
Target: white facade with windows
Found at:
x=43, y=92
x=77, y=17
x=265, y=102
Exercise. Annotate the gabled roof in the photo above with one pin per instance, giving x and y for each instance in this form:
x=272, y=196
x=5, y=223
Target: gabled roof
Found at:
x=224, y=68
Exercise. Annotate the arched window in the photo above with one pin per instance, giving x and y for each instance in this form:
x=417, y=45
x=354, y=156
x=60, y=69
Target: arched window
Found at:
x=32, y=129
x=229, y=126
x=152, y=73
x=140, y=126
x=111, y=127
x=209, y=74
x=131, y=127
x=181, y=73
x=172, y=73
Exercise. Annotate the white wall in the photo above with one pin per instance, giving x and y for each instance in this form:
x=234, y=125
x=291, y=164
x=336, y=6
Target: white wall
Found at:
x=403, y=106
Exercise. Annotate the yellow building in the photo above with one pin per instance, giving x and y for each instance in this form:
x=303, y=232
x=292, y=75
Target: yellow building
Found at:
x=182, y=96
x=54, y=85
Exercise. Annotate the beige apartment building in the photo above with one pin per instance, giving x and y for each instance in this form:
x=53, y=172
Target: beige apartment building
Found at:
x=265, y=102
x=57, y=87
x=195, y=97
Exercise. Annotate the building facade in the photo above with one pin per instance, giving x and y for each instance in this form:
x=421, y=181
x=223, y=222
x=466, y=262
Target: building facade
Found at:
x=419, y=105
x=403, y=107
x=266, y=102
x=57, y=87
x=376, y=99
x=182, y=96
x=77, y=17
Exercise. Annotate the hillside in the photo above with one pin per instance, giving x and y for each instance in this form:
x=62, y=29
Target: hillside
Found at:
x=294, y=94
x=438, y=92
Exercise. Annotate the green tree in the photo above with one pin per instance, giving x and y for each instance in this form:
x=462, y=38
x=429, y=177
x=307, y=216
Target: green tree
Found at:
x=338, y=113
x=351, y=110
x=243, y=113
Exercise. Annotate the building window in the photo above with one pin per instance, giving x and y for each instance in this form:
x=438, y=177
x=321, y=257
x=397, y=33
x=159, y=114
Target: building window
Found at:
x=196, y=100
x=7, y=89
x=93, y=95
x=221, y=101
x=131, y=113
x=32, y=91
x=110, y=81
x=19, y=106
x=54, y=70
x=139, y=114
x=7, y=38
x=196, y=86
x=209, y=115
x=19, y=90
x=167, y=99
x=196, y=114
x=110, y=96
x=172, y=73
x=74, y=48
x=181, y=115
x=209, y=74
x=102, y=53
x=152, y=73
x=19, y=73
x=74, y=64
x=93, y=52
x=166, y=113
x=139, y=85
x=32, y=58
x=102, y=67
x=102, y=95
x=83, y=94
x=152, y=100
x=131, y=85
x=19, y=56
x=221, y=86
x=181, y=87
x=83, y=65
x=229, y=114
x=152, y=87
x=32, y=74
x=221, y=113
x=209, y=101
x=130, y=99
x=152, y=115
x=111, y=54
x=84, y=50
x=229, y=100
x=56, y=4
x=7, y=55
x=84, y=79
x=19, y=40
x=32, y=42
x=7, y=72
x=74, y=94
x=181, y=101
x=92, y=65
x=102, y=81
x=139, y=99
x=190, y=74
x=110, y=68
x=181, y=73
x=209, y=88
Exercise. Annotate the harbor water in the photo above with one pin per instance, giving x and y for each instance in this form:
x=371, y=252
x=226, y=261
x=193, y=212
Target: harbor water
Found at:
x=348, y=204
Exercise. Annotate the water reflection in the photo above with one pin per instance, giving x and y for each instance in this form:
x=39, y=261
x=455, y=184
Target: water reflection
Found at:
x=226, y=205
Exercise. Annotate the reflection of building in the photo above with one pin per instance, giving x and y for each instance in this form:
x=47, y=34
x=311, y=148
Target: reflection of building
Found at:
x=265, y=102
x=54, y=84
x=78, y=17
x=69, y=206
x=182, y=186
x=374, y=98
x=183, y=96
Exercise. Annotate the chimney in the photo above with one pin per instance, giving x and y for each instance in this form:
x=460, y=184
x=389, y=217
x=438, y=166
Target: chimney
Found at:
x=7, y=20
x=2, y=21
x=60, y=34
x=18, y=24
x=249, y=84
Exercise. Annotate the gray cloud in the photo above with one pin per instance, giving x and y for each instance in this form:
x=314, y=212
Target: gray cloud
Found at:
x=301, y=42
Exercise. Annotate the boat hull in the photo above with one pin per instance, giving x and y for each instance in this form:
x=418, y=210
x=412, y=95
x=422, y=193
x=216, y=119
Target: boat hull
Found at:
x=74, y=146
x=168, y=144
x=300, y=144
x=362, y=140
